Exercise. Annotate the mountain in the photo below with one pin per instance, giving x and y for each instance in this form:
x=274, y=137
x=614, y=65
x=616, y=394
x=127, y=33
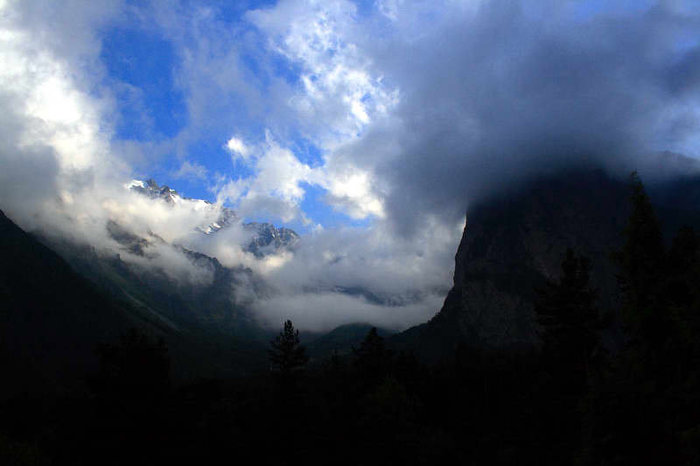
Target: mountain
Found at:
x=176, y=302
x=341, y=339
x=265, y=237
x=51, y=318
x=209, y=301
x=513, y=243
x=269, y=239
x=203, y=317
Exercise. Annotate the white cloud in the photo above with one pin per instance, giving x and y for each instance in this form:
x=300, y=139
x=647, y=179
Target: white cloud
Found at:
x=238, y=148
x=191, y=170
x=280, y=173
x=231, y=191
x=322, y=311
x=351, y=191
x=340, y=95
x=51, y=110
x=370, y=275
x=275, y=188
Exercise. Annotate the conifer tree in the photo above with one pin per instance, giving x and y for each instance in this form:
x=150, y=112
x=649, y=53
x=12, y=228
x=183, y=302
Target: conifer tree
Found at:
x=641, y=261
x=372, y=358
x=684, y=267
x=287, y=355
x=566, y=311
x=633, y=415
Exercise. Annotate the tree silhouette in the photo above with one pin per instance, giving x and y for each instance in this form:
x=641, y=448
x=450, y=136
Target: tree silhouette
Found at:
x=570, y=324
x=639, y=415
x=372, y=358
x=286, y=354
x=287, y=359
x=566, y=311
x=684, y=268
x=642, y=263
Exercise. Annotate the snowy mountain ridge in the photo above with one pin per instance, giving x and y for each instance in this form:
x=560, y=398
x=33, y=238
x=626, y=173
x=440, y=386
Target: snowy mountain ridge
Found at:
x=266, y=237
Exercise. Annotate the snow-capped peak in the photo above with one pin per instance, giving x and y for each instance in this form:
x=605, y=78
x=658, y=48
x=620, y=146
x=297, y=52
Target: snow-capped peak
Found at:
x=266, y=237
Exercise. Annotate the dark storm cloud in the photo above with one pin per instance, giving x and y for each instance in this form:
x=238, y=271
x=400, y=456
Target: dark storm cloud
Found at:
x=494, y=96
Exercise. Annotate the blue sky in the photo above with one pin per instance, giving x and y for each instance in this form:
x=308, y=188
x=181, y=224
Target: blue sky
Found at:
x=145, y=61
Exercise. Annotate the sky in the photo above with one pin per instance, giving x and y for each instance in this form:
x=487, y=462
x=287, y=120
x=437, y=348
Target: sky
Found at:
x=367, y=126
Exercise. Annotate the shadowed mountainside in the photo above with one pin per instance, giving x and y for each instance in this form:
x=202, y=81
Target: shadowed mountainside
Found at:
x=51, y=318
x=513, y=243
x=341, y=340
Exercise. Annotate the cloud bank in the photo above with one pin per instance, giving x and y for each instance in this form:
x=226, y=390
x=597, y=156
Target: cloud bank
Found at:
x=400, y=114
x=496, y=92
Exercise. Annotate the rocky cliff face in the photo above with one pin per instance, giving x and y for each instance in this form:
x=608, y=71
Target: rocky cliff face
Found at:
x=511, y=245
x=267, y=238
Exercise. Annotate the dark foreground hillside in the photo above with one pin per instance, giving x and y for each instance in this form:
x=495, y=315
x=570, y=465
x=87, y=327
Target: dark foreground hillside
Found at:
x=52, y=319
x=571, y=397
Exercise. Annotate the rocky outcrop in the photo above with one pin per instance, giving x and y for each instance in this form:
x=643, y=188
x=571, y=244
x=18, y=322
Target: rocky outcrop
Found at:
x=511, y=245
x=267, y=238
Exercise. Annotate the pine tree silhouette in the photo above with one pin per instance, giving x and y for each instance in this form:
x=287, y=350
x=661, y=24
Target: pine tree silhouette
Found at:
x=286, y=354
x=372, y=358
x=566, y=311
x=642, y=265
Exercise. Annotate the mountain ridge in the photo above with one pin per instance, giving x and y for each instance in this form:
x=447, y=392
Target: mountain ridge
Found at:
x=266, y=237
